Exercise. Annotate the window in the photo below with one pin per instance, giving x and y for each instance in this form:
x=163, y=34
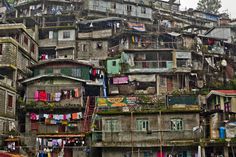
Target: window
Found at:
x=10, y=101
x=50, y=35
x=66, y=35
x=162, y=81
x=32, y=48
x=25, y=40
x=99, y=45
x=129, y=8
x=113, y=5
x=143, y=10
x=113, y=63
x=56, y=71
x=42, y=71
x=1, y=49
x=176, y=124
x=227, y=107
x=76, y=72
x=142, y=124
x=84, y=47
x=111, y=125
x=147, y=154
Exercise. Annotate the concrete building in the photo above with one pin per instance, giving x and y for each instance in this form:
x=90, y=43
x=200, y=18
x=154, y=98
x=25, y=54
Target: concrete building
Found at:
x=18, y=50
x=124, y=126
x=57, y=106
x=218, y=123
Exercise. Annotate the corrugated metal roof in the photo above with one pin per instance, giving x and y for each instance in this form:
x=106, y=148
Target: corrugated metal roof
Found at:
x=222, y=93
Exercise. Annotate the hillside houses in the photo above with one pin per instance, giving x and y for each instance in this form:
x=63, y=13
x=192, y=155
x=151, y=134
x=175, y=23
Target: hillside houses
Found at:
x=116, y=78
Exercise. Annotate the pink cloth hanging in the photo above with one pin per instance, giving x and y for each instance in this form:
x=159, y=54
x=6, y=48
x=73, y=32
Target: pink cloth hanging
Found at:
x=160, y=154
x=36, y=96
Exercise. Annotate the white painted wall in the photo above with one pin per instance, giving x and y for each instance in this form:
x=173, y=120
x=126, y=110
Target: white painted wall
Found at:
x=60, y=35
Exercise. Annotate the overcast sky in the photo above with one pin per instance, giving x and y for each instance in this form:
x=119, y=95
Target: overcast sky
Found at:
x=226, y=5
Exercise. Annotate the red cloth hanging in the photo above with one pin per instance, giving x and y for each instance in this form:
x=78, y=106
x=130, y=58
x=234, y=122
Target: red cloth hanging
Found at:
x=42, y=95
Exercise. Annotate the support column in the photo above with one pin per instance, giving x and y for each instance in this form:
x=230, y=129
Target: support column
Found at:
x=226, y=151
x=203, y=153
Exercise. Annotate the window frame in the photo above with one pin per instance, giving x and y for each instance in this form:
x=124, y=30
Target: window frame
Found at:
x=32, y=47
x=142, y=124
x=143, y=10
x=113, y=63
x=10, y=103
x=129, y=8
x=179, y=126
x=112, y=125
x=26, y=40
x=66, y=35
x=84, y=48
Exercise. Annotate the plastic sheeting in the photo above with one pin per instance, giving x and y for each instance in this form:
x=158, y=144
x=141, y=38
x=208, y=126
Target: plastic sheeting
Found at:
x=230, y=130
x=142, y=78
x=214, y=124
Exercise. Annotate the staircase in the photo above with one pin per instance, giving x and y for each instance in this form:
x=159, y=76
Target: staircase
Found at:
x=88, y=114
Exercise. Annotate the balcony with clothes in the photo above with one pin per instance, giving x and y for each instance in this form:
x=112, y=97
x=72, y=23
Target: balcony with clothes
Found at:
x=138, y=36
x=54, y=122
x=211, y=45
x=149, y=60
x=55, y=97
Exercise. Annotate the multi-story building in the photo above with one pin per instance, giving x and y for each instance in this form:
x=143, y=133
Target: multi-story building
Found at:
x=18, y=50
x=58, y=105
x=126, y=126
x=219, y=123
x=150, y=71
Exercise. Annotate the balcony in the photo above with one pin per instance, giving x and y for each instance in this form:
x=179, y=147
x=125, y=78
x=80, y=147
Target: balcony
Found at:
x=197, y=65
x=152, y=64
x=6, y=81
x=147, y=138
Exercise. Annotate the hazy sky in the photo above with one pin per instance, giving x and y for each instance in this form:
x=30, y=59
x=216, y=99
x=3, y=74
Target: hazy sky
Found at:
x=226, y=5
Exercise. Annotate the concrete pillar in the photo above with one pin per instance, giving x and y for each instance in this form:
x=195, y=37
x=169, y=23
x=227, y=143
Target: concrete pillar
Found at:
x=203, y=153
x=226, y=151
x=174, y=59
x=36, y=34
x=157, y=84
x=16, y=13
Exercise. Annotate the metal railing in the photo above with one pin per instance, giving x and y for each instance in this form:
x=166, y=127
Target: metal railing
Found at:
x=153, y=64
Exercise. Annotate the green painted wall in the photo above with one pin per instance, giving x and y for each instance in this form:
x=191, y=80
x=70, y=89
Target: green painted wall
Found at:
x=113, y=66
x=78, y=72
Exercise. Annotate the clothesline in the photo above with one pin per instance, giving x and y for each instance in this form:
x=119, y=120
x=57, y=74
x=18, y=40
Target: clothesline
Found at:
x=42, y=95
x=73, y=116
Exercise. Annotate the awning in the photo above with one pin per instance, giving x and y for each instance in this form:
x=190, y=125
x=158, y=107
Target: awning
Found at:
x=174, y=34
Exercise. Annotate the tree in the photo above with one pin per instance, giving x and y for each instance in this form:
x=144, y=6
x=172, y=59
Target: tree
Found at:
x=209, y=6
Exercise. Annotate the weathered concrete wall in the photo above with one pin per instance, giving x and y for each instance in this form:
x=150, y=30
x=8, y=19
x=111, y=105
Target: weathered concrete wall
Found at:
x=2, y=101
x=88, y=49
x=159, y=128
x=53, y=87
x=9, y=54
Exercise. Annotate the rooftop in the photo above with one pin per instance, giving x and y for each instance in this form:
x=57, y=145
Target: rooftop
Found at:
x=222, y=93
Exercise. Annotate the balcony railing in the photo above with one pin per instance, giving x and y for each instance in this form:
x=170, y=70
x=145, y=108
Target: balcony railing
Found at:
x=167, y=136
x=153, y=64
x=7, y=82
